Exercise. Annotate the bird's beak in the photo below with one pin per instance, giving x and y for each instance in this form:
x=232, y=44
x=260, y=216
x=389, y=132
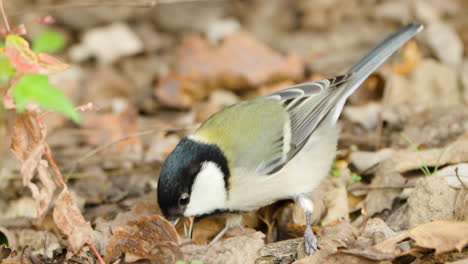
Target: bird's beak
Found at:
x=174, y=222
x=188, y=226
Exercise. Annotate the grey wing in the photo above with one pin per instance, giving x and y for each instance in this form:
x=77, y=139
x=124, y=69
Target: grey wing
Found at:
x=307, y=104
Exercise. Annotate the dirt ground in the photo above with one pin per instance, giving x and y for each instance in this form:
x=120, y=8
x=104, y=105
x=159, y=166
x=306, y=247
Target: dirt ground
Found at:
x=155, y=70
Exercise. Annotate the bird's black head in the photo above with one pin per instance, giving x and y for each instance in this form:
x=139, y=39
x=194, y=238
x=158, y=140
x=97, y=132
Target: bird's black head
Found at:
x=180, y=170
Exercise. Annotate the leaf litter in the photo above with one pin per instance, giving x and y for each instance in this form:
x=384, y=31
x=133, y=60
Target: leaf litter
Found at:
x=377, y=206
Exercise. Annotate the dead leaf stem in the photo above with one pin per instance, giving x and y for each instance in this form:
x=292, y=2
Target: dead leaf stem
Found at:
x=460, y=180
x=56, y=169
x=96, y=252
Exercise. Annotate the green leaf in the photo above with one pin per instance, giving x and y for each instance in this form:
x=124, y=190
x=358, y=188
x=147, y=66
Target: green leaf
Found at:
x=6, y=69
x=335, y=172
x=355, y=178
x=49, y=41
x=36, y=87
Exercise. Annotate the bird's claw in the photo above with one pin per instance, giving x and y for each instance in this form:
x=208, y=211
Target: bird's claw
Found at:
x=310, y=241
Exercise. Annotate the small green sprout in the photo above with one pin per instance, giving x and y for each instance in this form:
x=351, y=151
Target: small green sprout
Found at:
x=355, y=178
x=424, y=168
x=334, y=170
x=191, y=262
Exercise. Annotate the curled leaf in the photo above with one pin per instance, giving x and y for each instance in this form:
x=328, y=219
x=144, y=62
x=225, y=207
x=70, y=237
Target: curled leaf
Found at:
x=149, y=237
x=28, y=145
x=70, y=221
x=443, y=236
x=25, y=60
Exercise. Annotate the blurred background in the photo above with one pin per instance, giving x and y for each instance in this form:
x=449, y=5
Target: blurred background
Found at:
x=156, y=69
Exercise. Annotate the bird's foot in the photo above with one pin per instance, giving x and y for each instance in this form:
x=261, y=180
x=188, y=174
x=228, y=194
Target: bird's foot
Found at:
x=310, y=241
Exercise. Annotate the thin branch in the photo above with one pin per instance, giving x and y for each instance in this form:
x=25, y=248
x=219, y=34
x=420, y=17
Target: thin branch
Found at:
x=122, y=3
x=98, y=256
x=56, y=169
x=356, y=188
x=5, y=19
x=460, y=180
x=107, y=145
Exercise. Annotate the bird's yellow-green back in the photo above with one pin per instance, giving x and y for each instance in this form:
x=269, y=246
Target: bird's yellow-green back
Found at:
x=248, y=133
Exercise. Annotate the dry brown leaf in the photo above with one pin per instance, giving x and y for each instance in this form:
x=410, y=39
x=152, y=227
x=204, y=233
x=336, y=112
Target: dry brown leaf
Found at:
x=29, y=145
x=149, y=237
x=112, y=127
x=70, y=221
x=103, y=229
x=411, y=57
x=330, y=238
x=239, y=62
x=443, y=236
x=380, y=199
x=239, y=249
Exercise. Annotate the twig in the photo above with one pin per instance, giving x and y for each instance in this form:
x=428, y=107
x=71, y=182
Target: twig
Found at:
x=105, y=146
x=84, y=175
x=364, y=216
x=460, y=180
x=122, y=3
x=26, y=247
x=381, y=187
x=5, y=19
x=56, y=169
x=98, y=256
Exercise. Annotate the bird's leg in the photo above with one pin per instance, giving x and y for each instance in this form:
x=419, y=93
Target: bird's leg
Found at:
x=220, y=235
x=310, y=240
x=231, y=221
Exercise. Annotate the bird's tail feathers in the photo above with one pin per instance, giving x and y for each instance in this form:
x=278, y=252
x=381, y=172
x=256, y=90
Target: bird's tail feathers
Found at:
x=371, y=61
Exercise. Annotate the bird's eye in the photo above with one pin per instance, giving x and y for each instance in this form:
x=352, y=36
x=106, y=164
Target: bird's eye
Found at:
x=184, y=199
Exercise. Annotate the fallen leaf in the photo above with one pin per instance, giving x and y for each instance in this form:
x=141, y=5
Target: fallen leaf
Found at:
x=111, y=127
x=71, y=222
x=330, y=238
x=104, y=228
x=445, y=42
x=364, y=160
x=443, y=236
x=376, y=230
x=407, y=160
x=149, y=237
x=411, y=57
x=441, y=126
x=240, y=249
x=380, y=199
x=240, y=62
x=107, y=44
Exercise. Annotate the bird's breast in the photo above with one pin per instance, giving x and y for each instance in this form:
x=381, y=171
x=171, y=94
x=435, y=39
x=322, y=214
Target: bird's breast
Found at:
x=249, y=190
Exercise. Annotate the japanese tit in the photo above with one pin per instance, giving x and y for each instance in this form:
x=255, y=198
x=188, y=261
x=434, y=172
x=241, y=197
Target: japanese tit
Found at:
x=254, y=153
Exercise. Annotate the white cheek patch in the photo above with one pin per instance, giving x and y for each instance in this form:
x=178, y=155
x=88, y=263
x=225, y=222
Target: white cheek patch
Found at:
x=208, y=191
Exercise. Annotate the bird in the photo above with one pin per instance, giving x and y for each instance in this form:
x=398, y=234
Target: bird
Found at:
x=256, y=152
